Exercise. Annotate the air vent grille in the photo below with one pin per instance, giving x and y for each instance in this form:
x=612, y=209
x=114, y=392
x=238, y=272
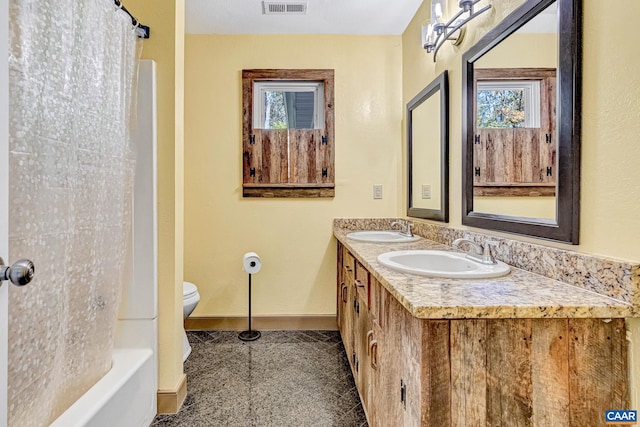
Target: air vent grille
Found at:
x=284, y=8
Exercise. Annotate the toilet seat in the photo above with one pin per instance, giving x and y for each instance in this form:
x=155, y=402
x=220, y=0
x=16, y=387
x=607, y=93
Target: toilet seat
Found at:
x=188, y=289
x=190, y=299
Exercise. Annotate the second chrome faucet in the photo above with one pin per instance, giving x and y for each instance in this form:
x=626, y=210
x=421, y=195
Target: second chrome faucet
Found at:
x=479, y=253
x=405, y=227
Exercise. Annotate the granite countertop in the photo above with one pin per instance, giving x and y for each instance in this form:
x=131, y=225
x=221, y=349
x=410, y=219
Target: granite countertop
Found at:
x=520, y=294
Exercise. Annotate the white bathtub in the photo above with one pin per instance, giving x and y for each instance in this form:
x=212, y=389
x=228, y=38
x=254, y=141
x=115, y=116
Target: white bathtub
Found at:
x=124, y=397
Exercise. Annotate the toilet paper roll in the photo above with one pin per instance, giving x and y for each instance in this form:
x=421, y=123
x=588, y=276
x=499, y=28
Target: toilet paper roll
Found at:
x=251, y=262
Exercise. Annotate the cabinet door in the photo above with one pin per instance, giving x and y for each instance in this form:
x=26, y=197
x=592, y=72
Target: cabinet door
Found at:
x=348, y=319
x=377, y=398
x=341, y=287
x=362, y=337
x=343, y=304
x=341, y=291
x=347, y=304
x=411, y=356
x=420, y=373
x=389, y=410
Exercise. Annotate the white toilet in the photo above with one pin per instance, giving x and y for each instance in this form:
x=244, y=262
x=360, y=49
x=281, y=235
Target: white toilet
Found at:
x=190, y=298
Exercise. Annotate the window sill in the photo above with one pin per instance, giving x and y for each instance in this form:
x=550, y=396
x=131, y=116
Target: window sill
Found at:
x=288, y=190
x=514, y=190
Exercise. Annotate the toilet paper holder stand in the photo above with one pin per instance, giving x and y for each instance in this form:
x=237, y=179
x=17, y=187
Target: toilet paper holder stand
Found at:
x=249, y=334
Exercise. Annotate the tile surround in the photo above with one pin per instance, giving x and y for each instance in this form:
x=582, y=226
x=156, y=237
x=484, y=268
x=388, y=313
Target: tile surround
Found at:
x=592, y=275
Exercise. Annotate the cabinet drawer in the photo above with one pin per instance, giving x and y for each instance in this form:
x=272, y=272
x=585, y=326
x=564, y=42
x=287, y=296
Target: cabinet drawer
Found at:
x=362, y=282
x=376, y=301
x=348, y=264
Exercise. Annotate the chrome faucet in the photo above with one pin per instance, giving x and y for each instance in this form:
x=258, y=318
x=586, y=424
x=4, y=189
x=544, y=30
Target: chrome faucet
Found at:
x=477, y=252
x=405, y=227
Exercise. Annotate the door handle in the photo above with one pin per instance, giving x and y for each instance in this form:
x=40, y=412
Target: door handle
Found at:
x=20, y=273
x=373, y=350
x=369, y=338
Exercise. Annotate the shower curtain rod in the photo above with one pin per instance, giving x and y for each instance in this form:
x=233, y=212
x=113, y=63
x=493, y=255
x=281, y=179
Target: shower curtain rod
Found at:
x=141, y=30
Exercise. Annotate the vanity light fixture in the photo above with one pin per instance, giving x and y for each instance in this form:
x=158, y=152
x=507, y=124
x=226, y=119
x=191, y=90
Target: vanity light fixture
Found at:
x=435, y=34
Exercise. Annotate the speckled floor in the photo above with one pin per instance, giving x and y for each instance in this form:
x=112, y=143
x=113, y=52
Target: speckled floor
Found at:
x=286, y=378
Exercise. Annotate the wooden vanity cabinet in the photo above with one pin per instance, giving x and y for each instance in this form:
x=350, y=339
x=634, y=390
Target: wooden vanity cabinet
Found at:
x=392, y=369
x=477, y=372
x=362, y=336
x=346, y=294
x=359, y=308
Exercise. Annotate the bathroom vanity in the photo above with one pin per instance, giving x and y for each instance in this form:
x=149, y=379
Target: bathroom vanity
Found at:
x=519, y=350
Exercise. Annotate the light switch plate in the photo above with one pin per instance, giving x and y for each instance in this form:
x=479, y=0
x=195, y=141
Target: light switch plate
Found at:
x=377, y=191
x=426, y=191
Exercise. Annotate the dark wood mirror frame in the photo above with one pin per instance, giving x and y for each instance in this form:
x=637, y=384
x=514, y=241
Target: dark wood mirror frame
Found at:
x=565, y=228
x=439, y=84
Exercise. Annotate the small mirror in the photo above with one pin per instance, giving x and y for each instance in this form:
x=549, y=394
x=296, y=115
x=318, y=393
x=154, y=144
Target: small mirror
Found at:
x=428, y=151
x=521, y=160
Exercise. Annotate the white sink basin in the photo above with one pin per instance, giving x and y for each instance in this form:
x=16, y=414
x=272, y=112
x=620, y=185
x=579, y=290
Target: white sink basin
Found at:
x=451, y=265
x=381, y=236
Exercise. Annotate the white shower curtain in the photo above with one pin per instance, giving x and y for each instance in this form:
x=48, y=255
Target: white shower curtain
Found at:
x=72, y=66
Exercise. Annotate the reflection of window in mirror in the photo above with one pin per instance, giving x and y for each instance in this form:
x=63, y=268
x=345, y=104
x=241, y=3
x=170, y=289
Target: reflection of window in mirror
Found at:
x=288, y=133
x=514, y=145
x=508, y=104
x=515, y=141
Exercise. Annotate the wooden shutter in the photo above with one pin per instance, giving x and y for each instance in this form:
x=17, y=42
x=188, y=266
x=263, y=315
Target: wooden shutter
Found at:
x=518, y=161
x=288, y=162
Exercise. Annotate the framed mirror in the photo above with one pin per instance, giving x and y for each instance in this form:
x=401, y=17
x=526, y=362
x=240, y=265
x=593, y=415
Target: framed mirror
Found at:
x=428, y=151
x=521, y=123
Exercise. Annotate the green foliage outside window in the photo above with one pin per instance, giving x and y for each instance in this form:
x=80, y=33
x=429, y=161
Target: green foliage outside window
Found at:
x=275, y=110
x=502, y=108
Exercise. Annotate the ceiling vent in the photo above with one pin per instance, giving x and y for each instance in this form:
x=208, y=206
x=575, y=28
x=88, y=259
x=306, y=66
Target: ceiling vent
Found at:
x=284, y=8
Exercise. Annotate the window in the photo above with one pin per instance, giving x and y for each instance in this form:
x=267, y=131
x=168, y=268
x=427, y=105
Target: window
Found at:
x=288, y=105
x=288, y=133
x=508, y=104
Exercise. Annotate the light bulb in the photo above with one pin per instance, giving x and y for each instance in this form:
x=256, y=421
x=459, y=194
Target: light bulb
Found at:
x=438, y=12
x=428, y=37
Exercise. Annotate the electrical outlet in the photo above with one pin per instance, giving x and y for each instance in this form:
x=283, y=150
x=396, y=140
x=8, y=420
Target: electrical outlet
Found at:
x=426, y=191
x=377, y=191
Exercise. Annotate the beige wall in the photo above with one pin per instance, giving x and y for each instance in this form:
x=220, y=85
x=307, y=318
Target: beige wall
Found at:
x=426, y=142
x=610, y=186
x=166, y=47
x=541, y=52
x=293, y=236
x=531, y=207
